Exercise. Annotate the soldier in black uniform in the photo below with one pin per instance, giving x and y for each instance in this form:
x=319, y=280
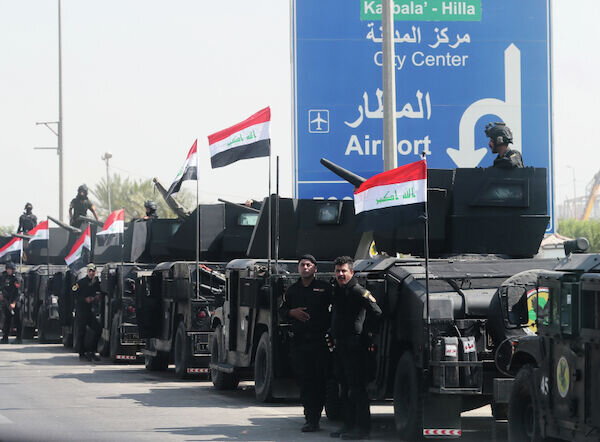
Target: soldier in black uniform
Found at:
x=151, y=208
x=28, y=220
x=9, y=295
x=500, y=137
x=86, y=291
x=79, y=207
x=351, y=305
x=306, y=304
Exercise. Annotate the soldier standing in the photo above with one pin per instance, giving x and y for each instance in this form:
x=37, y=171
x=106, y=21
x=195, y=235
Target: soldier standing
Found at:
x=500, y=137
x=28, y=220
x=79, y=207
x=351, y=305
x=9, y=295
x=306, y=304
x=87, y=290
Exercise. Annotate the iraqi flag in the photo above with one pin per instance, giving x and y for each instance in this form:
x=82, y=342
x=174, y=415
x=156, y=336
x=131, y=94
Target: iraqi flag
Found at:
x=37, y=247
x=392, y=199
x=249, y=139
x=12, y=250
x=189, y=170
x=39, y=233
x=79, y=256
x=112, y=230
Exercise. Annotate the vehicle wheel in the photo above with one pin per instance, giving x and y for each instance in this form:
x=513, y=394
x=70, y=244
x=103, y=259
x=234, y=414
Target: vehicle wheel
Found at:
x=408, y=399
x=159, y=362
x=115, y=338
x=333, y=403
x=41, y=327
x=523, y=408
x=220, y=379
x=263, y=370
x=182, y=353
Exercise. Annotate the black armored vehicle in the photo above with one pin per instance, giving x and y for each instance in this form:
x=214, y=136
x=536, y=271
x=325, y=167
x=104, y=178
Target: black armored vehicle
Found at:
x=174, y=312
x=433, y=352
x=556, y=392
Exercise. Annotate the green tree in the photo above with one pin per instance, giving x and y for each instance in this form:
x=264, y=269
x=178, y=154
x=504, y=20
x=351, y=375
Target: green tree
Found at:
x=7, y=230
x=574, y=228
x=131, y=194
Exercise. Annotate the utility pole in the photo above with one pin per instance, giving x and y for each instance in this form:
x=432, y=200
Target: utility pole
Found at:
x=390, y=160
x=59, y=131
x=106, y=157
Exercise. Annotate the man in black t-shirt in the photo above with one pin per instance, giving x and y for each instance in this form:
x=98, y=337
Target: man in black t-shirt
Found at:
x=306, y=304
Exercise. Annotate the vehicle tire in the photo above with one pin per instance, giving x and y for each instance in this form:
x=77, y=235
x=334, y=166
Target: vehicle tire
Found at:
x=220, y=379
x=263, y=370
x=115, y=338
x=159, y=362
x=524, y=408
x=334, y=407
x=41, y=326
x=182, y=353
x=408, y=399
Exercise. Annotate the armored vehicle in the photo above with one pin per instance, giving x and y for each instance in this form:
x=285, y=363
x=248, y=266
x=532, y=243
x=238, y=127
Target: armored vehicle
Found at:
x=174, y=314
x=556, y=392
x=433, y=351
x=249, y=341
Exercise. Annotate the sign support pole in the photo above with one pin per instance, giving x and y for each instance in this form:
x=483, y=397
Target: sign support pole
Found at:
x=390, y=158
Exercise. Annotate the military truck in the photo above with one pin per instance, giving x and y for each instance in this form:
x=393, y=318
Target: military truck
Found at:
x=174, y=314
x=249, y=341
x=433, y=351
x=556, y=391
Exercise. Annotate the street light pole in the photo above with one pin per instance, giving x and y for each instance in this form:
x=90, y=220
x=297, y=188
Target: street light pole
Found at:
x=59, y=131
x=106, y=157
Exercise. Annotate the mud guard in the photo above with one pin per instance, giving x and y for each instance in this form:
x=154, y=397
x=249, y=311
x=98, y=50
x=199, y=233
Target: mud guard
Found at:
x=441, y=415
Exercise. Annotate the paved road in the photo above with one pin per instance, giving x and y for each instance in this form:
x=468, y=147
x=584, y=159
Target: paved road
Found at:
x=47, y=394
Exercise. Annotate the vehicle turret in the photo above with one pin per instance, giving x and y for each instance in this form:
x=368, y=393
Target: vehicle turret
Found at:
x=173, y=204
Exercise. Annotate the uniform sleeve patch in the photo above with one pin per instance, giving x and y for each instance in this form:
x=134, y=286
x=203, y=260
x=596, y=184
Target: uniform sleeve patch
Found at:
x=369, y=296
x=76, y=287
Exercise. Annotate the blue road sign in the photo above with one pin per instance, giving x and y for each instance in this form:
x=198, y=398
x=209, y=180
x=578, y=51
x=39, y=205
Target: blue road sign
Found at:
x=459, y=65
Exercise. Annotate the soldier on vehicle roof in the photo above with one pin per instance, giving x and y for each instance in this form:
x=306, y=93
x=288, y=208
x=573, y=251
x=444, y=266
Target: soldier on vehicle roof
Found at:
x=27, y=220
x=151, y=208
x=306, y=304
x=79, y=207
x=9, y=295
x=86, y=291
x=351, y=305
x=500, y=137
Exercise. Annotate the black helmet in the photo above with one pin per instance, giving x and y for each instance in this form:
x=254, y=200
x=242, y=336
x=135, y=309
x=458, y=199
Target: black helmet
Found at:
x=28, y=206
x=83, y=188
x=499, y=133
x=150, y=205
x=11, y=265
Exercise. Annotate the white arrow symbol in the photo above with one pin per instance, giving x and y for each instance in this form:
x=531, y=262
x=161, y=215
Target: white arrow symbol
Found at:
x=467, y=155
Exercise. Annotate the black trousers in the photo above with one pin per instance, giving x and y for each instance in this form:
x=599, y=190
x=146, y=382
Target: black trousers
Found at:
x=351, y=358
x=311, y=363
x=84, y=319
x=11, y=320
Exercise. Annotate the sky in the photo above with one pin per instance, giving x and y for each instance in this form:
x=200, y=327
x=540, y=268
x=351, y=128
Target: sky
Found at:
x=142, y=79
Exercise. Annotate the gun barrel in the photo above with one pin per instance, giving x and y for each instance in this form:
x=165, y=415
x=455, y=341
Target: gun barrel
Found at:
x=64, y=225
x=22, y=236
x=352, y=178
x=91, y=220
x=251, y=209
x=173, y=204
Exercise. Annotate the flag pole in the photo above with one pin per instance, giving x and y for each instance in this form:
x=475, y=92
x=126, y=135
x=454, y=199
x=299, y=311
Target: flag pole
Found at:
x=269, y=212
x=197, y=225
x=427, y=257
x=277, y=214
